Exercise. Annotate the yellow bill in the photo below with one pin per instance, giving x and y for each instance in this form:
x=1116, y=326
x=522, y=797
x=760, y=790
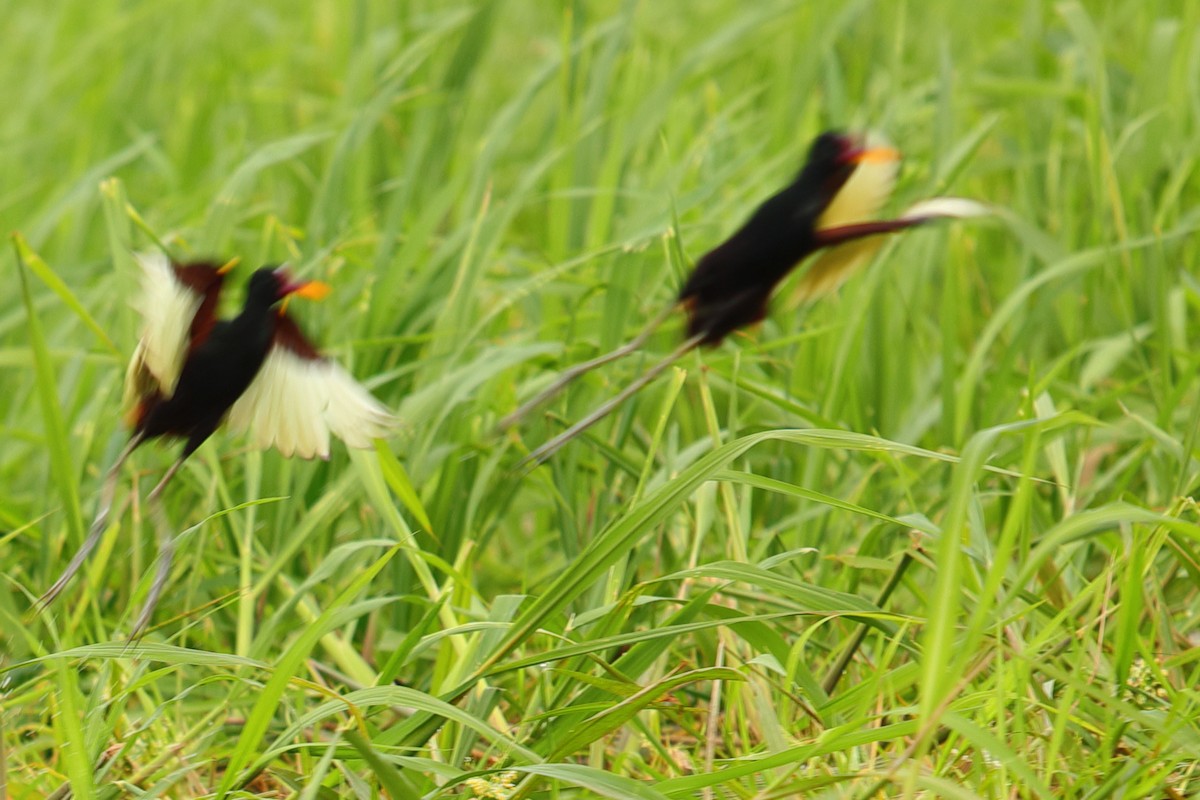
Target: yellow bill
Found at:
x=877, y=155
x=313, y=290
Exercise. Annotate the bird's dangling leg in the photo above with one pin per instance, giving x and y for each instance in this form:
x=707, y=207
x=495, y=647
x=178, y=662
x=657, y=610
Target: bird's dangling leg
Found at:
x=583, y=367
x=551, y=447
x=166, y=548
x=99, y=524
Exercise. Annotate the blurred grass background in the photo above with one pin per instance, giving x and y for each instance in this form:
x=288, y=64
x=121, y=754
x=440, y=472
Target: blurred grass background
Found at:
x=497, y=189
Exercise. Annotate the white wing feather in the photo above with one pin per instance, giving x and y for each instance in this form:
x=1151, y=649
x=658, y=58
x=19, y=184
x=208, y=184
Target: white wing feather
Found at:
x=295, y=403
x=167, y=308
x=946, y=207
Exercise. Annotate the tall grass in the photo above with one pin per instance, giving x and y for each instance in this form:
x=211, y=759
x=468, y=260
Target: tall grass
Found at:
x=933, y=536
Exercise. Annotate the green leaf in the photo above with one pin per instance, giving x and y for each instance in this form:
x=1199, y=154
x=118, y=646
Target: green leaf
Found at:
x=811, y=598
x=58, y=444
x=590, y=730
x=397, y=478
x=68, y=730
x=267, y=704
x=605, y=784
x=233, y=191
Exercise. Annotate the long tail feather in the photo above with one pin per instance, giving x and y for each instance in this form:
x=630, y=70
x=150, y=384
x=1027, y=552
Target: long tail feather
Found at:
x=99, y=525
x=583, y=367
x=166, y=550
x=551, y=447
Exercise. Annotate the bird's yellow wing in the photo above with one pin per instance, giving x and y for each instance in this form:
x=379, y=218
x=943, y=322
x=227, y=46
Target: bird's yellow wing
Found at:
x=852, y=245
x=865, y=192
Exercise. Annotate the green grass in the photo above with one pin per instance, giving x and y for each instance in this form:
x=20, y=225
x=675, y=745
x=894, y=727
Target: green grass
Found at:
x=933, y=536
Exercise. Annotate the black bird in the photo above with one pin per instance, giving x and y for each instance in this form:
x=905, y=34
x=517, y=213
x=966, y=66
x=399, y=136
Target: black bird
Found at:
x=827, y=207
x=191, y=371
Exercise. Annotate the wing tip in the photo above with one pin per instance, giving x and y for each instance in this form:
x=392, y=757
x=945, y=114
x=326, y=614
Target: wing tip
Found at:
x=948, y=208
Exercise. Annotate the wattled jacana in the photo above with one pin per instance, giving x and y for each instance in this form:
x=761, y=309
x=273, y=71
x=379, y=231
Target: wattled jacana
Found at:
x=827, y=207
x=191, y=371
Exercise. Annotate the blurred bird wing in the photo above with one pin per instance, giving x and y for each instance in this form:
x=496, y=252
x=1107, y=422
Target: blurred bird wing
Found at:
x=140, y=384
x=858, y=201
x=864, y=193
x=299, y=398
x=849, y=247
x=168, y=307
x=945, y=208
x=834, y=266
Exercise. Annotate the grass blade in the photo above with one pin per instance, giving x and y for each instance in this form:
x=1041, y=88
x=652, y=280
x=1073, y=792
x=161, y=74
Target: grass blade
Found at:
x=64, y=476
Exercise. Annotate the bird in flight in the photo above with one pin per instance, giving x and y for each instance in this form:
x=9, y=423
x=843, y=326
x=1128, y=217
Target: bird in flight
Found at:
x=829, y=208
x=258, y=371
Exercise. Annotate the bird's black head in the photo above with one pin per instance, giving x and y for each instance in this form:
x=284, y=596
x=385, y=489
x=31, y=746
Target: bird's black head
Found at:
x=266, y=286
x=269, y=285
x=831, y=161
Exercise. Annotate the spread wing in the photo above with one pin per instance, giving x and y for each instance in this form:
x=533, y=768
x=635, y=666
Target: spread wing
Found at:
x=167, y=306
x=299, y=398
x=864, y=192
x=858, y=201
x=851, y=244
x=178, y=305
